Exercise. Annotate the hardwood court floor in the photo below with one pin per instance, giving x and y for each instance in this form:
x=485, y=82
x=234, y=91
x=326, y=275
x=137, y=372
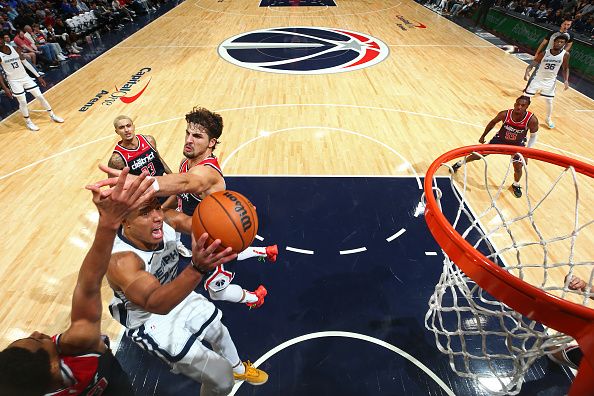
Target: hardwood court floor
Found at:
x=435, y=91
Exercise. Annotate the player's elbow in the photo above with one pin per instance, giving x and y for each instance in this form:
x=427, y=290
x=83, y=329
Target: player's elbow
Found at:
x=158, y=308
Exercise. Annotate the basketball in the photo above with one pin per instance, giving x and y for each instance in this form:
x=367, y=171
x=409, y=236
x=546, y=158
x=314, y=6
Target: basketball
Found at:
x=228, y=216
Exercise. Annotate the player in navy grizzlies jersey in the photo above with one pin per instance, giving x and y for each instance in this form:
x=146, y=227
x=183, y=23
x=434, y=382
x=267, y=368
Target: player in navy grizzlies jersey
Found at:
x=12, y=72
x=201, y=175
x=516, y=124
x=78, y=361
x=544, y=80
x=159, y=307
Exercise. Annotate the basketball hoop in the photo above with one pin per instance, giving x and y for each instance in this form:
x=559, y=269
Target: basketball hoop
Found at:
x=502, y=291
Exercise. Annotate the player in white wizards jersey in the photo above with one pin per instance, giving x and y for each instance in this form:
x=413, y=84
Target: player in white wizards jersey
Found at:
x=159, y=307
x=550, y=62
x=15, y=82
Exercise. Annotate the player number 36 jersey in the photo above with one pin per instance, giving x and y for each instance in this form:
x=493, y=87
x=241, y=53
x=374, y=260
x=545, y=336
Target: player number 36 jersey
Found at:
x=549, y=66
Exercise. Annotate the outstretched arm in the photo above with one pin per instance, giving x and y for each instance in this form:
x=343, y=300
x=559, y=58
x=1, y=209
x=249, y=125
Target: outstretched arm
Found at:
x=200, y=179
x=84, y=333
x=498, y=118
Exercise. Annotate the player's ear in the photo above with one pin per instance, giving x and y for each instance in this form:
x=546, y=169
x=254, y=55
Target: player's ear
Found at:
x=212, y=143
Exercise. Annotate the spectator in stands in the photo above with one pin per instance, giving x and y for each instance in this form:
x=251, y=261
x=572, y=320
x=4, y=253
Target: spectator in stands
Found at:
x=118, y=7
x=49, y=19
x=42, y=39
x=587, y=9
x=556, y=18
x=80, y=6
x=26, y=46
x=69, y=37
x=458, y=8
x=24, y=18
x=541, y=14
x=547, y=42
x=47, y=50
x=569, y=7
x=7, y=26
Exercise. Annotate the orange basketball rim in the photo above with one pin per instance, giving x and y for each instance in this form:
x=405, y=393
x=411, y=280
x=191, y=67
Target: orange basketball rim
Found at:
x=565, y=316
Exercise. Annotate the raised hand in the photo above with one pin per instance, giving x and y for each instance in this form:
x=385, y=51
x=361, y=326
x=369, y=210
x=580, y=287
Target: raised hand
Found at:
x=113, y=180
x=206, y=258
x=125, y=196
x=575, y=283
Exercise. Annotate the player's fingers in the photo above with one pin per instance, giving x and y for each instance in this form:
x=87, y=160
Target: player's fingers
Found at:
x=119, y=187
x=225, y=256
x=144, y=190
x=198, y=244
x=210, y=249
x=132, y=191
x=109, y=171
x=96, y=191
x=107, y=182
x=106, y=193
x=137, y=203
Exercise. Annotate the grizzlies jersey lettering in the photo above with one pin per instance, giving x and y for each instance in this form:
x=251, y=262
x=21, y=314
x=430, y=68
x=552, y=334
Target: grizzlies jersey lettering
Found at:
x=513, y=132
x=162, y=263
x=143, y=157
x=187, y=202
x=12, y=67
x=549, y=66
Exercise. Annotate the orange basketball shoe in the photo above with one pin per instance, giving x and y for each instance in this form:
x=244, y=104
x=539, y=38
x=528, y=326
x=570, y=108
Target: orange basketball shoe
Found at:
x=260, y=292
x=252, y=375
x=271, y=253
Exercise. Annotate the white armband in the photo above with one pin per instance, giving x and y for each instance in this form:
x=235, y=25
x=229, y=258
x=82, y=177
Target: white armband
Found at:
x=532, y=139
x=30, y=67
x=155, y=184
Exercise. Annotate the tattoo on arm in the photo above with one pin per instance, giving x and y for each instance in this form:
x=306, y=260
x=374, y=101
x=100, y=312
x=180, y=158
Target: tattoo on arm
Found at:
x=116, y=161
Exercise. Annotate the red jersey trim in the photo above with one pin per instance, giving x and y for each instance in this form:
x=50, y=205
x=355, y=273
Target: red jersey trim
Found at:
x=518, y=124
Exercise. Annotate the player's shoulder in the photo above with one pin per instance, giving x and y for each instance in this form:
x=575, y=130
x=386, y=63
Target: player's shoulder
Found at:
x=116, y=160
x=150, y=139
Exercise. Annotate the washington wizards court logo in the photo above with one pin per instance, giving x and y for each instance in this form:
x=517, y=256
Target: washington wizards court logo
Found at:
x=303, y=50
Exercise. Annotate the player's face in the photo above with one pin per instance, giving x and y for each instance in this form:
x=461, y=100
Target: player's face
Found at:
x=37, y=341
x=125, y=128
x=197, y=141
x=559, y=44
x=520, y=106
x=145, y=225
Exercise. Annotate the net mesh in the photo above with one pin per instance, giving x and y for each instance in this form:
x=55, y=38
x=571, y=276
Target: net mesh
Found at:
x=484, y=338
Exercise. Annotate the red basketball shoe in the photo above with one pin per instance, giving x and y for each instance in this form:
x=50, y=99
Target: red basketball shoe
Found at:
x=271, y=253
x=260, y=292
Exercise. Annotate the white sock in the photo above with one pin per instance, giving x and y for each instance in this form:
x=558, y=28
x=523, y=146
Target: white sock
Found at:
x=517, y=184
x=233, y=293
x=239, y=368
x=549, y=103
x=252, y=251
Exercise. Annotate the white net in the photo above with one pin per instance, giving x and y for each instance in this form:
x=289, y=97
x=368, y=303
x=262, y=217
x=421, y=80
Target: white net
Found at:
x=543, y=237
